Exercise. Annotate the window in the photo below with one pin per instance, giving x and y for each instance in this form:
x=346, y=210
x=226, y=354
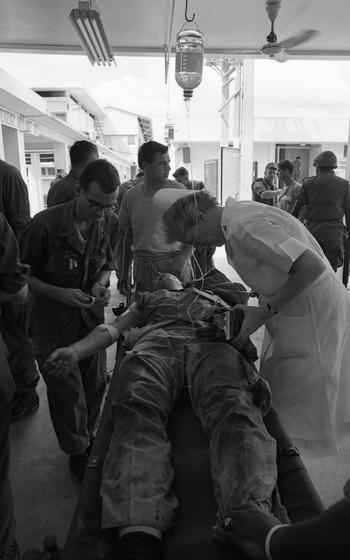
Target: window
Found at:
x=47, y=157
x=131, y=140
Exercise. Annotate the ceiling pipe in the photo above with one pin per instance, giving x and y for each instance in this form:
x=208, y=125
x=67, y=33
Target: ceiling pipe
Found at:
x=169, y=41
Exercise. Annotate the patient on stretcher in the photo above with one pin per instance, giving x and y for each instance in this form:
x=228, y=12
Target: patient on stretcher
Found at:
x=164, y=356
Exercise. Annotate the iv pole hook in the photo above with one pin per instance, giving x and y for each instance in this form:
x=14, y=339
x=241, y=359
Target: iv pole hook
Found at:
x=186, y=16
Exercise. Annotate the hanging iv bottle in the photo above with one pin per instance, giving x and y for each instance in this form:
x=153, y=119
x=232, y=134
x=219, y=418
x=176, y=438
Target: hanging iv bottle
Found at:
x=189, y=60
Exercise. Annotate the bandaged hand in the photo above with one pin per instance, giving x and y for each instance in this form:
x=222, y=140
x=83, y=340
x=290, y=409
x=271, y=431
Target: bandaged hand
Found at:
x=61, y=362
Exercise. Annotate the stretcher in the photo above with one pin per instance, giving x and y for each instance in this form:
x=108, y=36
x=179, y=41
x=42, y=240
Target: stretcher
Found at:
x=191, y=536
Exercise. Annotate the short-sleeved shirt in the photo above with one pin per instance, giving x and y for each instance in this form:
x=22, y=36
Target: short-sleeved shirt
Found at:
x=288, y=197
x=262, y=243
x=64, y=190
x=14, y=202
x=56, y=253
x=142, y=214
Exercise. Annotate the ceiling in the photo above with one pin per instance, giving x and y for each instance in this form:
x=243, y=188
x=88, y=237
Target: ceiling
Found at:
x=143, y=26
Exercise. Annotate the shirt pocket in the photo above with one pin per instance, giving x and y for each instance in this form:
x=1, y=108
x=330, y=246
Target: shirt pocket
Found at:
x=63, y=268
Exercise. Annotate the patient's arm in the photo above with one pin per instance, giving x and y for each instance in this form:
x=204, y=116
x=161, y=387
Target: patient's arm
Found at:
x=62, y=360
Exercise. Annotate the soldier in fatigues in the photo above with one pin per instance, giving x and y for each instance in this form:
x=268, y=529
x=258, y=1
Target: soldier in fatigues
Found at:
x=327, y=199
x=13, y=287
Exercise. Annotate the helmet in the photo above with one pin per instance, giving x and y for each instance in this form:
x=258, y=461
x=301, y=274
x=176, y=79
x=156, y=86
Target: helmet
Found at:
x=326, y=159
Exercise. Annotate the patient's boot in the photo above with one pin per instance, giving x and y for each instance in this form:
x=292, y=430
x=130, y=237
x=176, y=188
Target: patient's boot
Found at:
x=140, y=546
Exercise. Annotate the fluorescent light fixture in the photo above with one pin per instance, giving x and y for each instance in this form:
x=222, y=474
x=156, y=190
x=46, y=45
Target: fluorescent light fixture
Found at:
x=88, y=25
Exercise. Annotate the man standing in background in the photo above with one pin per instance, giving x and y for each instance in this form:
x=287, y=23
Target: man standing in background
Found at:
x=68, y=188
x=297, y=168
x=326, y=199
x=264, y=189
x=181, y=176
x=14, y=205
x=291, y=188
x=140, y=235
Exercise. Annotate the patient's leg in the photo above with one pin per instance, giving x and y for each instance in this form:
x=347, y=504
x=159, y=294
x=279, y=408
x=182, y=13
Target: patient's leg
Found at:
x=138, y=476
x=243, y=455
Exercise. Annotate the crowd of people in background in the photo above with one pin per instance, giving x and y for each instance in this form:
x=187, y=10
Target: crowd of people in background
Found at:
x=55, y=272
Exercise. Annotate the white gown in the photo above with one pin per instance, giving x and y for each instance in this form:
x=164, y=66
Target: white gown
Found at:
x=306, y=349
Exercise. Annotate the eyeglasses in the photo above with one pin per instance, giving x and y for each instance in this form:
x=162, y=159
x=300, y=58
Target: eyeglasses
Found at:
x=97, y=205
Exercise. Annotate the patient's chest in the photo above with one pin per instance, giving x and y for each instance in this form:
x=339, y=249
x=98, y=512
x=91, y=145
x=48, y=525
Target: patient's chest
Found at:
x=185, y=306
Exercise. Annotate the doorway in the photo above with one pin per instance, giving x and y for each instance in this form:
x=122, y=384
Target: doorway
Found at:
x=290, y=151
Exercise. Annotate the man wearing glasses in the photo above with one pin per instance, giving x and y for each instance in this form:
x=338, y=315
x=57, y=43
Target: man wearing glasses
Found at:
x=70, y=249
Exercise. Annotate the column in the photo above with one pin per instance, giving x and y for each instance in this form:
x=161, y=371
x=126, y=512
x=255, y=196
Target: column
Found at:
x=14, y=150
x=247, y=129
x=61, y=155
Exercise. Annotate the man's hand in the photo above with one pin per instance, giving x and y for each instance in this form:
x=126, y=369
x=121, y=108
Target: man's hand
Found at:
x=101, y=293
x=247, y=529
x=123, y=286
x=73, y=297
x=61, y=362
x=254, y=318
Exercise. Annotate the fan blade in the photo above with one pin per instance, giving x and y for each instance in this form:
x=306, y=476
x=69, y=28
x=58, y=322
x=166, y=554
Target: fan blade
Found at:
x=299, y=38
x=244, y=51
x=282, y=57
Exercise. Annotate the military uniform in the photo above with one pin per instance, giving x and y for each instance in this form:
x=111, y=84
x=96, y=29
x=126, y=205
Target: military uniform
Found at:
x=12, y=279
x=165, y=356
x=57, y=255
x=14, y=204
x=326, y=198
x=64, y=190
x=258, y=187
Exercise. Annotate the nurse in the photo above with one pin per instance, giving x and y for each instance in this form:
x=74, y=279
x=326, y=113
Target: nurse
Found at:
x=303, y=305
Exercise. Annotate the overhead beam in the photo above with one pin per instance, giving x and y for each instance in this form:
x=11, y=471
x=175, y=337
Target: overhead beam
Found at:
x=123, y=50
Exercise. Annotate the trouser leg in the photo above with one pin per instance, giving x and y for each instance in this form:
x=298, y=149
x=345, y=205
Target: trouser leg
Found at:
x=19, y=346
x=243, y=455
x=93, y=372
x=74, y=404
x=68, y=410
x=334, y=253
x=7, y=520
x=75, y=400
x=137, y=476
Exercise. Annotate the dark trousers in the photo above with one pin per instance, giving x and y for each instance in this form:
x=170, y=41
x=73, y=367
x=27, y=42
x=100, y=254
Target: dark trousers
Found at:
x=7, y=388
x=20, y=352
x=75, y=400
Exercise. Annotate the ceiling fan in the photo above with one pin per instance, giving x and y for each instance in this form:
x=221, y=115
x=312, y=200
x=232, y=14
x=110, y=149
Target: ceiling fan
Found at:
x=279, y=50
